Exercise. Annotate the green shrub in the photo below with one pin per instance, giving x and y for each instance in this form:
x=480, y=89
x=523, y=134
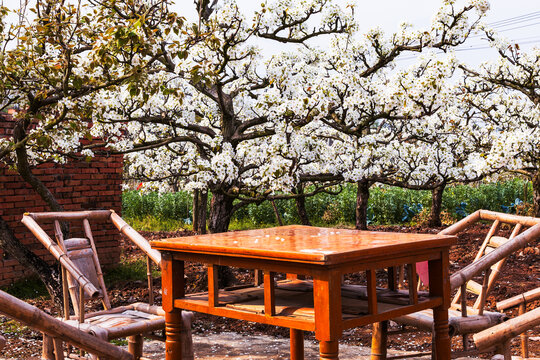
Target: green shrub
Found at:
x=387, y=205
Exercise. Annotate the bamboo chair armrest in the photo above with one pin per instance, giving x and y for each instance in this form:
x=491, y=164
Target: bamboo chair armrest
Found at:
x=98, y=215
x=505, y=331
x=136, y=238
x=468, y=272
x=517, y=300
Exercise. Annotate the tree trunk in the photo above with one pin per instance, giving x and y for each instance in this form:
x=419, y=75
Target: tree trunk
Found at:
x=276, y=213
x=221, y=210
x=536, y=193
x=48, y=274
x=301, y=206
x=362, y=197
x=200, y=200
x=436, y=206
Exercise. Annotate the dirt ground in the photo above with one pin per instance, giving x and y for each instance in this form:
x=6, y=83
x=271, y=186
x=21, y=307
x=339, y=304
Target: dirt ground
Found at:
x=521, y=273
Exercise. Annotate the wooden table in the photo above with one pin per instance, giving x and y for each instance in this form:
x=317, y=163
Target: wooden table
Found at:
x=322, y=254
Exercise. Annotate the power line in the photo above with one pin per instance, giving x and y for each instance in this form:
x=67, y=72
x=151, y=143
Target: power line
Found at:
x=503, y=21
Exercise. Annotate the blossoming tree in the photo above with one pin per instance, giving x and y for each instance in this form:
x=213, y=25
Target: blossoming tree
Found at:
x=505, y=94
x=50, y=66
x=220, y=123
x=369, y=105
x=247, y=129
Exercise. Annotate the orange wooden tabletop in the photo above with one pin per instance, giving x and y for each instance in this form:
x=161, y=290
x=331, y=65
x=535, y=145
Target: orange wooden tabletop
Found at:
x=305, y=243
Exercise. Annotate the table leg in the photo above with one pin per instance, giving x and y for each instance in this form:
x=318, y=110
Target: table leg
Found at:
x=329, y=350
x=439, y=286
x=173, y=332
x=327, y=301
x=172, y=283
x=297, y=344
x=379, y=339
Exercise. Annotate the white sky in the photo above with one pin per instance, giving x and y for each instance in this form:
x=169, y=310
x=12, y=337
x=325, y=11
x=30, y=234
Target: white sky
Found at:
x=388, y=14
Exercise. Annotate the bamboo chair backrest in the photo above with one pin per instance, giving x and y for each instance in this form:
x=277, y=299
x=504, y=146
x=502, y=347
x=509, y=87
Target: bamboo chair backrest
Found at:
x=78, y=256
x=83, y=254
x=491, y=243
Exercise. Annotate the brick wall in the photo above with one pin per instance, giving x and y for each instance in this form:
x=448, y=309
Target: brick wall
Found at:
x=77, y=186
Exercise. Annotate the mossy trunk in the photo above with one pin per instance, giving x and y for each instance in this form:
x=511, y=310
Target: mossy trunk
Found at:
x=536, y=193
x=221, y=210
x=436, y=206
x=48, y=274
x=301, y=206
x=200, y=200
x=362, y=197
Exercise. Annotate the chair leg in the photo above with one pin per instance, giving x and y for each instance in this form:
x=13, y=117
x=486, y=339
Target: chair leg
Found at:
x=135, y=346
x=58, y=349
x=505, y=350
x=379, y=339
x=47, y=351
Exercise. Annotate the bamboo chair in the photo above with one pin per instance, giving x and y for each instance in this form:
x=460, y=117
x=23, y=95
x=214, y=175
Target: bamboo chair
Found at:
x=57, y=331
x=82, y=280
x=489, y=261
x=499, y=337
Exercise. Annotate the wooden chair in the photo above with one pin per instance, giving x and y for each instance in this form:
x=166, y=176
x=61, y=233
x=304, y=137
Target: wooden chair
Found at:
x=83, y=280
x=489, y=261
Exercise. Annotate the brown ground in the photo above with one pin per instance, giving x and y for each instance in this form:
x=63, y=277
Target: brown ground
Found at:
x=521, y=273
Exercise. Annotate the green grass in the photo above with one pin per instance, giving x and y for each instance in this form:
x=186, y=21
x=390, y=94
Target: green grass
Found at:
x=247, y=224
x=128, y=271
x=12, y=327
x=33, y=288
x=28, y=288
x=155, y=223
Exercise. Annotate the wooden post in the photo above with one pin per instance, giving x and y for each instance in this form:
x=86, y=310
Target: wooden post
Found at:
x=47, y=349
x=213, y=288
x=524, y=337
x=258, y=275
x=297, y=344
x=392, y=280
x=269, y=295
x=464, y=313
x=483, y=294
x=135, y=345
x=58, y=349
x=150, y=281
x=413, y=291
x=372, y=291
